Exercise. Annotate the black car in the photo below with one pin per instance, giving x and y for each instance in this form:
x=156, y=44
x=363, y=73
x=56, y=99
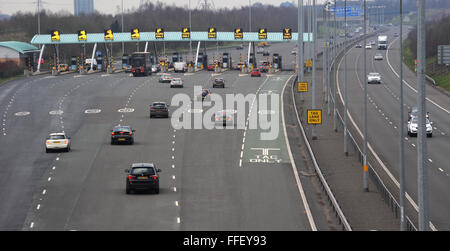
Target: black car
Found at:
x=142, y=176
x=159, y=109
x=122, y=134
x=266, y=53
x=218, y=83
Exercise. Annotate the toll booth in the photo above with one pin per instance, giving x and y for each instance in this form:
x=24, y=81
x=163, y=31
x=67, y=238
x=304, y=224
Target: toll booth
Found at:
x=226, y=60
x=250, y=65
x=73, y=63
x=202, y=60
x=176, y=57
x=125, y=61
x=100, y=62
x=277, y=61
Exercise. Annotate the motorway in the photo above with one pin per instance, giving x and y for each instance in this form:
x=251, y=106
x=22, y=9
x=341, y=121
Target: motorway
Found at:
x=383, y=123
x=209, y=180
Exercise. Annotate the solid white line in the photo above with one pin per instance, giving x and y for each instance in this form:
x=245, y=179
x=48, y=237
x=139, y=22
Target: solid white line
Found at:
x=384, y=167
x=294, y=167
x=404, y=81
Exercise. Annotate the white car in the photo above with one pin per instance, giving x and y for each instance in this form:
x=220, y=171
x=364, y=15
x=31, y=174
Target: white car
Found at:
x=374, y=77
x=378, y=56
x=368, y=46
x=57, y=141
x=413, y=127
x=165, y=78
x=224, y=118
x=156, y=68
x=176, y=82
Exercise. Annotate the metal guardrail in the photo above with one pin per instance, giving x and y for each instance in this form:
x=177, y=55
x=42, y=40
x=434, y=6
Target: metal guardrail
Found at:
x=384, y=191
x=339, y=214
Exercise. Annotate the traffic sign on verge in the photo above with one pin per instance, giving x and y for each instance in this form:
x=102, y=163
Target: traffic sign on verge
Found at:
x=302, y=86
x=314, y=117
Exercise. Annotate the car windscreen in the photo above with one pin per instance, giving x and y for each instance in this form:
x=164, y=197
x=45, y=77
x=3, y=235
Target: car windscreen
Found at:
x=143, y=171
x=122, y=129
x=57, y=137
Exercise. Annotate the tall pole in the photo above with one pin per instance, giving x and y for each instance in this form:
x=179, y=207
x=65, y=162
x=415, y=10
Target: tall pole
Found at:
x=345, y=79
x=39, y=16
x=190, y=29
x=314, y=59
x=421, y=137
x=123, y=44
x=365, y=166
x=402, y=131
x=335, y=70
x=300, y=55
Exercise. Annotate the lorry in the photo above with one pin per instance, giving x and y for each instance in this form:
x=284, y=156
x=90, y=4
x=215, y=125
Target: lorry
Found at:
x=382, y=42
x=179, y=67
x=141, y=63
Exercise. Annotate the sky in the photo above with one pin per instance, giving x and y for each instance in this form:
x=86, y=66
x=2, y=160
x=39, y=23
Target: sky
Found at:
x=111, y=6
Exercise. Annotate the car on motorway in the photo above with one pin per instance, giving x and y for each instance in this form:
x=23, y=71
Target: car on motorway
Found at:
x=294, y=52
x=372, y=42
x=204, y=95
x=176, y=83
x=378, y=56
x=156, y=68
x=368, y=46
x=159, y=109
x=218, y=83
x=260, y=50
x=165, y=78
x=396, y=34
x=211, y=67
x=413, y=125
x=358, y=46
x=224, y=118
x=63, y=67
x=122, y=134
x=57, y=141
x=374, y=77
x=256, y=73
x=414, y=112
x=142, y=176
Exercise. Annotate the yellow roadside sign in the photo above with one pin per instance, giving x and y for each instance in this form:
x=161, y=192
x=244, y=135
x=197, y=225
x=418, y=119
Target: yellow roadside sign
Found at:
x=135, y=33
x=159, y=33
x=56, y=35
x=308, y=63
x=109, y=35
x=82, y=35
x=314, y=117
x=302, y=87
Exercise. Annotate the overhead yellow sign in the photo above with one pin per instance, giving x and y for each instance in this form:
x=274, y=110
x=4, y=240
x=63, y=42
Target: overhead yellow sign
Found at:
x=135, y=34
x=287, y=33
x=82, y=35
x=302, y=87
x=238, y=33
x=109, y=35
x=186, y=33
x=262, y=34
x=212, y=33
x=159, y=33
x=314, y=117
x=56, y=35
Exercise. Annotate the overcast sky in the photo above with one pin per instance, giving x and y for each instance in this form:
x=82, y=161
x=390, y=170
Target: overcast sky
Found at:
x=110, y=6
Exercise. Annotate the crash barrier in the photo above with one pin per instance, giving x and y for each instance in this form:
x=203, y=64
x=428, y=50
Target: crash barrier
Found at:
x=375, y=177
x=331, y=199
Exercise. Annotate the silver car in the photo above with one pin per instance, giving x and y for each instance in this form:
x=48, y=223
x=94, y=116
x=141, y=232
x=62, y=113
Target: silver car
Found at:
x=378, y=56
x=413, y=125
x=57, y=141
x=374, y=77
x=176, y=83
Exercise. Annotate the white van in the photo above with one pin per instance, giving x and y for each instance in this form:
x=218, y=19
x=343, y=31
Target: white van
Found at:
x=180, y=67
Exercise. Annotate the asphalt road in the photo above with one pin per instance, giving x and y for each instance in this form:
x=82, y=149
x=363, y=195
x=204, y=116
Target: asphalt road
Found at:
x=206, y=183
x=383, y=123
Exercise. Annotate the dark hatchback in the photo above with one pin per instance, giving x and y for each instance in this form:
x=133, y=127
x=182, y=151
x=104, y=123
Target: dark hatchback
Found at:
x=142, y=176
x=159, y=109
x=122, y=134
x=218, y=83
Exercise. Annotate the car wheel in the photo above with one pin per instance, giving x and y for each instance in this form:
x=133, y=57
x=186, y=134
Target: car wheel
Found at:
x=46, y=150
x=430, y=135
x=112, y=142
x=68, y=149
x=127, y=190
x=156, y=190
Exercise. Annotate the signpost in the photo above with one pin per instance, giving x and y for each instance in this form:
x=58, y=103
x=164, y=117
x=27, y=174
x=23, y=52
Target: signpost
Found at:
x=443, y=56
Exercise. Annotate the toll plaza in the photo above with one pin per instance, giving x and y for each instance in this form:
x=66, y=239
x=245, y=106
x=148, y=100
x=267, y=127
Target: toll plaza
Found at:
x=89, y=62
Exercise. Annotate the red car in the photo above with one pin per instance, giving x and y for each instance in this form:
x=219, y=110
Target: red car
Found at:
x=256, y=73
x=211, y=67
